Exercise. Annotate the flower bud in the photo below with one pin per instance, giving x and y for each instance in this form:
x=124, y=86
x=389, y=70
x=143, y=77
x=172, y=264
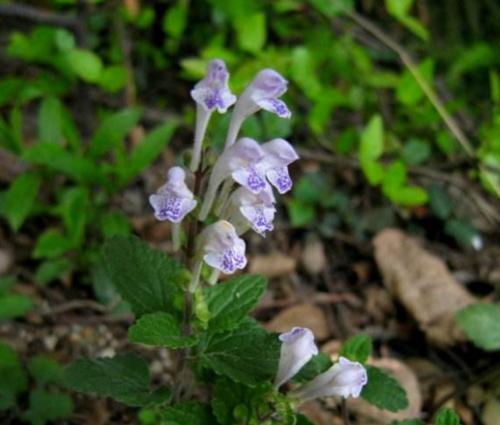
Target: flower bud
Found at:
x=297, y=348
x=343, y=379
x=173, y=201
x=262, y=93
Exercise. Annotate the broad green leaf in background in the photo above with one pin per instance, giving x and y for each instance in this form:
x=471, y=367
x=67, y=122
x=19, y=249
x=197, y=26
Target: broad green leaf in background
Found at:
x=374, y=172
x=400, y=9
x=332, y=8
x=14, y=379
x=480, y=324
x=408, y=91
x=447, y=416
x=20, y=198
x=14, y=305
x=124, y=378
x=384, y=391
x=303, y=72
x=409, y=196
x=251, y=32
x=175, y=19
x=159, y=329
x=50, y=121
x=113, y=78
x=114, y=223
x=45, y=370
x=372, y=140
x=300, y=213
x=463, y=232
x=51, y=270
x=227, y=396
x=188, y=412
x=47, y=407
x=86, y=64
x=74, y=210
x=303, y=420
x=51, y=244
x=148, y=150
x=357, y=348
x=394, y=178
x=440, y=201
x=113, y=130
x=144, y=277
x=248, y=355
x=229, y=302
x=415, y=151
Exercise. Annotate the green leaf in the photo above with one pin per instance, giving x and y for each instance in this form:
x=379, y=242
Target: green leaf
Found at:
x=14, y=379
x=318, y=364
x=251, y=32
x=189, y=412
x=14, y=305
x=85, y=64
x=47, y=407
x=301, y=213
x=20, y=198
x=58, y=159
x=394, y=178
x=480, y=324
x=159, y=329
x=73, y=210
x=175, y=19
x=50, y=120
x=113, y=130
x=384, y=391
x=303, y=72
x=114, y=223
x=227, y=396
x=148, y=149
x=113, y=78
x=51, y=244
x=45, y=370
x=374, y=172
x=51, y=270
x=447, y=416
x=248, y=355
x=463, y=232
x=303, y=420
x=408, y=91
x=398, y=8
x=409, y=196
x=231, y=301
x=331, y=8
x=124, y=378
x=372, y=140
x=357, y=348
x=144, y=277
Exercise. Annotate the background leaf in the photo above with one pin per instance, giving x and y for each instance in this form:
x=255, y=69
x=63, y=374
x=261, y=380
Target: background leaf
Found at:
x=20, y=199
x=480, y=324
x=384, y=391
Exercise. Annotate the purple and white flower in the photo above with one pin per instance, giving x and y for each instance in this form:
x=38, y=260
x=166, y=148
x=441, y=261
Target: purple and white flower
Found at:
x=279, y=154
x=297, y=348
x=247, y=209
x=262, y=93
x=210, y=94
x=222, y=248
x=242, y=162
x=344, y=379
x=173, y=201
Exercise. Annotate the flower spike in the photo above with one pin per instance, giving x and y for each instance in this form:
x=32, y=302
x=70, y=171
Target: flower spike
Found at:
x=210, y=94
x=173, y=201
x=297, y=348
x=344, y=379
x=262, y=93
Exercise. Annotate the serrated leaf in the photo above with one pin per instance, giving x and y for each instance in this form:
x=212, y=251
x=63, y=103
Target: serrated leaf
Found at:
x=144, y=277
x=231, y=301
x=480, y=324
x=113, y=130
x=189, y=412
x=227, y=395
x=318, y=364
x=248, y=355
x=47, y=407
x=384, y=391
x=357, y=348
x=45, y=370
x=20, y=198
x=447, y=416
x=159, y=329
x=124, y=378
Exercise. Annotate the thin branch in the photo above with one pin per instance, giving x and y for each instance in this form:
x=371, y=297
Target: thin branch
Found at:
x=40, y=16
x=415, y=72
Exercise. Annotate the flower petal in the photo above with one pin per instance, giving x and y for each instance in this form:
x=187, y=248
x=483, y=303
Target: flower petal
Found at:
x=276, y=106
x=280, y=179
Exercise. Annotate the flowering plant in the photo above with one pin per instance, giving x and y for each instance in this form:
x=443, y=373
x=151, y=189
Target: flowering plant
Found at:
x=228, y=370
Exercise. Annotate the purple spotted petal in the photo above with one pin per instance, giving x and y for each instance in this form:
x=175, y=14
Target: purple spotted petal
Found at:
x=259, y=217
x=280, y=179
x=169, y=207
x=276, y=106
x=250, y=178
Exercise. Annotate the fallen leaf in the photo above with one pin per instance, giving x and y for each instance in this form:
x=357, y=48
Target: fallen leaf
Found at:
x=313, y=257
x=491, y=411
x=423, y=284
x=302, y=315
x=273, y=265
